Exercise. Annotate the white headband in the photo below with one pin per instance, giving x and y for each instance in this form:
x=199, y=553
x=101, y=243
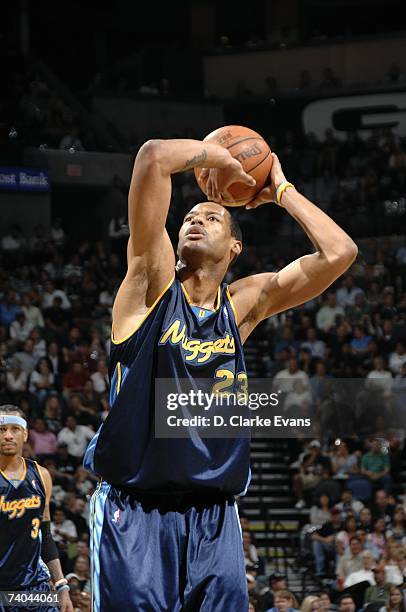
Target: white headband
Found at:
x=12, y=419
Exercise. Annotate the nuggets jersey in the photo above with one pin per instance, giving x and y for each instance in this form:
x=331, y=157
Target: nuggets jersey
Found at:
x=174, y=341
x=21, y=510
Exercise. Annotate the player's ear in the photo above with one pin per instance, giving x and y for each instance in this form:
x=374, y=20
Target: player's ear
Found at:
x=25, y=435
x=236, y=249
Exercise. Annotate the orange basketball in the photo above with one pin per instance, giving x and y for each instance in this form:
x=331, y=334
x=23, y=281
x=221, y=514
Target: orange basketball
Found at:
x=251, y=150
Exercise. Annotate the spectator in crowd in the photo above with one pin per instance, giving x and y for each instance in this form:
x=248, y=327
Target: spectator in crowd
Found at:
x=378, y=592
x=284, y=601
x=397, y=529
x=326, y=316
x=42, y=380
x=20, y=328
x=75, y=436
x=323, y=542
x=344, y=536
x=43, y=442
x=375, y=465
x=100, y=378
x=376, y=539
x=16, y=380
x=346, y=603
x=365, y=574
x=310, y=472
x=349, y=505
x=397, y=358
x=62, y=529
x=33, y=314
x=347, y=292
x=9, y=308
x=365, y=520
x=383, y=506
x=350, y=561
x=379, y=379
x=285, y=378
x=75, y=378
x=343, y=462
x=250, y=551
x=311, y=603
x=320, y=513
x=396, y=601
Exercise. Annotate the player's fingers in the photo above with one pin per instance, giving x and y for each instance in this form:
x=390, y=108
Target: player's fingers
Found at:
x=247, y=179
x=265, y=196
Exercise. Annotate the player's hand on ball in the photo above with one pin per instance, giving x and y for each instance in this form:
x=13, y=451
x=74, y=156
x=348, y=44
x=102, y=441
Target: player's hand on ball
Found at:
x=268, y=193
x=216, y=181
x=65, y=601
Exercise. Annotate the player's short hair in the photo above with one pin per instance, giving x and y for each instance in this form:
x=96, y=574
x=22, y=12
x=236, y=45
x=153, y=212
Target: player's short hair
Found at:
x=11, y=409
x=235, y=228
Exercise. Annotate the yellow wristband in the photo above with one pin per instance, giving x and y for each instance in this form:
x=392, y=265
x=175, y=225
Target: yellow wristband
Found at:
x=284, y=185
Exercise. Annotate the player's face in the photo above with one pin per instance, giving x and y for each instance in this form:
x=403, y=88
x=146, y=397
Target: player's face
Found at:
x=12, y=438
x=206, y=232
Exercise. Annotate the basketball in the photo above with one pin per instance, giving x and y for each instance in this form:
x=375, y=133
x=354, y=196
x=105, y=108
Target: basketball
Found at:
x=251, y=150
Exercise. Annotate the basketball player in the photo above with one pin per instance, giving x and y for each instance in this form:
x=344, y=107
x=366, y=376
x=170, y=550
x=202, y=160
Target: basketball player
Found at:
x=165, y=533
x=26, y=543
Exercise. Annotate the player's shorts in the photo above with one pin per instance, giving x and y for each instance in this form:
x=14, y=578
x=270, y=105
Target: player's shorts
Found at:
x=166, y=553
x=42, y=588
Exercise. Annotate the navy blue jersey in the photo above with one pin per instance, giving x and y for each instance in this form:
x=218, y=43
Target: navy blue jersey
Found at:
x=21, y=510
x=174, y=341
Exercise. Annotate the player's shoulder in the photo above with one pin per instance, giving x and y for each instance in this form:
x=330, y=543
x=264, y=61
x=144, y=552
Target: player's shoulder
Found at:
x=45, y=476
x=250, y=282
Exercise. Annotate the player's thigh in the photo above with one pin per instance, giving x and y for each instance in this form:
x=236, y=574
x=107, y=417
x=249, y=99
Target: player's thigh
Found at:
x=216, y=580
x=135, y=555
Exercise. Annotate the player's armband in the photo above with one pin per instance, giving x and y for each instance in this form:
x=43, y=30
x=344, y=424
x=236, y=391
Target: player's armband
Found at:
x=49, y=550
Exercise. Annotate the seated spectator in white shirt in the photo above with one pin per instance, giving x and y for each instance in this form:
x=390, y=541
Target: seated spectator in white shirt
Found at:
x=32, y=313
x=348, y=504
x=16, y=378
x=379, y=379
x=284, y=379
x=326, y=315
x=316, y=347
x=365, y=574
x=50, y=293
x=75, y=436
x=100, y=379
x=347, y=292
x=63, y=529
x=397, y=358
x=20, y=329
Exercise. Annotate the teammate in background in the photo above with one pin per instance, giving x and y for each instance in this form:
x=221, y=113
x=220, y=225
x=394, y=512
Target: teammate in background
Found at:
x=26, y=544
x=165, y=534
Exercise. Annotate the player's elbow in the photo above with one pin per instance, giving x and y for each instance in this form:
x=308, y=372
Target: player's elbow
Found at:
x=151, y=153
x=348, y=253
x=344, y=255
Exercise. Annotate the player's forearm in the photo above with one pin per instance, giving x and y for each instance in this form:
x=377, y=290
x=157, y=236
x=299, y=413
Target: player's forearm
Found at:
x=179, y=155
x=332, y=242
x=55, y=569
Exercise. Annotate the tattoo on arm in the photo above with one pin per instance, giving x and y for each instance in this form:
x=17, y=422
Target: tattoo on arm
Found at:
x=197, y=159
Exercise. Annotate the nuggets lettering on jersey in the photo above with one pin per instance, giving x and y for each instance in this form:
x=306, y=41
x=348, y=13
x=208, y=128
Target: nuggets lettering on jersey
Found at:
x=21, y=510
x=198, y=350
x=17, y=507
x=176, y=341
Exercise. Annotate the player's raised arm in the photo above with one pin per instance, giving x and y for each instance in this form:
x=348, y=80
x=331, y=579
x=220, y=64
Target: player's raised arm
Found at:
x=49, y=552
x=151, y=259
x=263, y=295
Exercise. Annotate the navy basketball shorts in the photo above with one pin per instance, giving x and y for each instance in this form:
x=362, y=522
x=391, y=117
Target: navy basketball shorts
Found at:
x=165, y=553
x=40, y=589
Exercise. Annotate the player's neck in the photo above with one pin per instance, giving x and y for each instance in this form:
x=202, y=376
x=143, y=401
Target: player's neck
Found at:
x=10, y=463
x=201, y=286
